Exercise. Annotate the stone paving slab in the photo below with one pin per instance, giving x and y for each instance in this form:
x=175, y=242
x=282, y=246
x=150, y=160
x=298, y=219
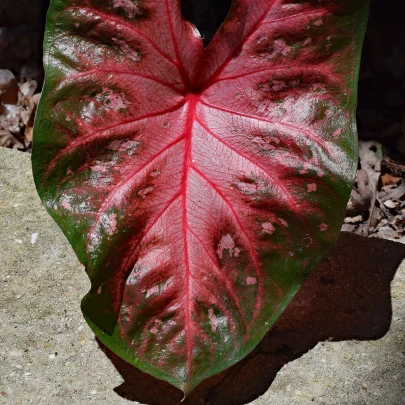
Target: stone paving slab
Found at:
x=341, y=339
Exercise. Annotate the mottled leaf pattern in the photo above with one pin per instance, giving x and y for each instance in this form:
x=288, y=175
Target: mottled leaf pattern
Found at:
x=198, y=186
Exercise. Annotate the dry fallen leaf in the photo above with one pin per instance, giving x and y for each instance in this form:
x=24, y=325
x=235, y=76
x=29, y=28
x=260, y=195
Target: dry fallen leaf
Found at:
x=388, y=179
x=391, y=204
x=17, y=119
x=7, y=140
x=8, y=87
x=353, y=220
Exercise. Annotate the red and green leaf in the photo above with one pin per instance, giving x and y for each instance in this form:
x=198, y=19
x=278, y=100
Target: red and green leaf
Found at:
x=198, y=186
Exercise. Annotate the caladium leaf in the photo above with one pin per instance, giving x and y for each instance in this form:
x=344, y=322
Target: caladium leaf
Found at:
x=198, y=186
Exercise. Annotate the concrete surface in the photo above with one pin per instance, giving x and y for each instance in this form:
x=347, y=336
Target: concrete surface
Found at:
x=48, y=355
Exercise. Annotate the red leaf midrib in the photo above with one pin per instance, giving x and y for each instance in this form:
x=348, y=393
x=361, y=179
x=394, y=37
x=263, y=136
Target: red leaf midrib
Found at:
x=191, y=105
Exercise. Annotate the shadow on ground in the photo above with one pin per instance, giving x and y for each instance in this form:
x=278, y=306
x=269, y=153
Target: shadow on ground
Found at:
x=347, y=297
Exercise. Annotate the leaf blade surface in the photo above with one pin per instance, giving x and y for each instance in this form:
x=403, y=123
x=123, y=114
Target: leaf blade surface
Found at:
x=199, y=187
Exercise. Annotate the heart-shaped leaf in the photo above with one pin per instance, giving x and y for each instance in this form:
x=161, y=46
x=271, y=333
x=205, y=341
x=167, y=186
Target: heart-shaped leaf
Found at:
x=198, y=186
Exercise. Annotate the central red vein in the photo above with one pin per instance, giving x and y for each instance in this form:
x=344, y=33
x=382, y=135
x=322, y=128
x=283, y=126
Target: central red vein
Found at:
x=191, y=109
